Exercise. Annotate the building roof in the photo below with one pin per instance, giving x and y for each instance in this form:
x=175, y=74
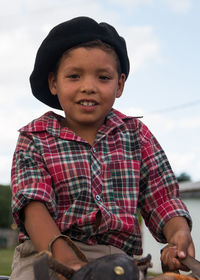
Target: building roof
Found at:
x=190, y=189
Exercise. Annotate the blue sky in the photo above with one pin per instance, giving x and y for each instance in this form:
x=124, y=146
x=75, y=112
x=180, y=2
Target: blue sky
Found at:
x=164, y=85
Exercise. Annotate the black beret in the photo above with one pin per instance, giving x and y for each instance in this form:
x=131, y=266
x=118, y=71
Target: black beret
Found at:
x=63, y=37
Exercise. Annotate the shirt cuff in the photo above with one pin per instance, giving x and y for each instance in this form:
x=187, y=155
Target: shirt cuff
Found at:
x=163, y=213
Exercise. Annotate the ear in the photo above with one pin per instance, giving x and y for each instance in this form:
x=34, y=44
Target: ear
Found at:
x=121, y=83
x=52, y=83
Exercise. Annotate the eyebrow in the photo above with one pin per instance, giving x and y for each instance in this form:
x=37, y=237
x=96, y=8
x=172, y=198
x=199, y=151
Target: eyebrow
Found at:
x=74, y=68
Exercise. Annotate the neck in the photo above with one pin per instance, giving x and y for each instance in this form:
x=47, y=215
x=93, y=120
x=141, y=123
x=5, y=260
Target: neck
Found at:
x=88, y=135
x=87, y=132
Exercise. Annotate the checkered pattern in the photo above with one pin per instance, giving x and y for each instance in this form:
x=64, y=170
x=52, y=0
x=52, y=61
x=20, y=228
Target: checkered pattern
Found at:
x=126, y=169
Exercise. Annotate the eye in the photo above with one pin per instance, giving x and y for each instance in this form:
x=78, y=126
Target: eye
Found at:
x=73, y=76
x=104, y=77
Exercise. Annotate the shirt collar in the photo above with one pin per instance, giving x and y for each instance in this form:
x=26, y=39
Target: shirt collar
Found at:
x=50, y=122
x=114, y=119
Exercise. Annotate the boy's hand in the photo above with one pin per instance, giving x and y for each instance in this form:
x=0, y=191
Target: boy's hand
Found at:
x=75, y=265
x=170, y=259
x=180, y=245
x=35, y=215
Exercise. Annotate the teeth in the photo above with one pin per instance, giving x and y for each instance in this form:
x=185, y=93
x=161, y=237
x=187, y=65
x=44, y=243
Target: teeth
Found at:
x=87, y=103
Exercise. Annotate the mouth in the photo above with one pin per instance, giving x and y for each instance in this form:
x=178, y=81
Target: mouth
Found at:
x=88, y=103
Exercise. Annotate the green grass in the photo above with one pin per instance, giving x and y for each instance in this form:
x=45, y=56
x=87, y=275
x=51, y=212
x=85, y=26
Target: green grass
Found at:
x=6, y=256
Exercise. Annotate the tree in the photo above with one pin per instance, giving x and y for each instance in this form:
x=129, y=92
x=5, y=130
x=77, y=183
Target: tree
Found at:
x=5, y=209
x=184, y=177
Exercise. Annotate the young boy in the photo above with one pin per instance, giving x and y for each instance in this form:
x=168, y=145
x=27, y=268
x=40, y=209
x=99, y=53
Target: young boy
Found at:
x=85, y=175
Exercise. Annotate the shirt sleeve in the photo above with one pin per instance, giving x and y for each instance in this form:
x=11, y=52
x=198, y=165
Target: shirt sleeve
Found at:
x=159, y=191
x=30, y=180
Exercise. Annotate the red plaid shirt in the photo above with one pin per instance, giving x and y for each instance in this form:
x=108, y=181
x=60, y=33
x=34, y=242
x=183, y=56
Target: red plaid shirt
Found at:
x=124, y=170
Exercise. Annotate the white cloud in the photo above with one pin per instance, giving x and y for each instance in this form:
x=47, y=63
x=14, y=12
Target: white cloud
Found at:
x=187, y=162
x=16, y=56
x=143, y=46
x=165, y=124
x=9, y=7
x=127, y=4
x=181, y=161
x=179, y=6
x=5, y=167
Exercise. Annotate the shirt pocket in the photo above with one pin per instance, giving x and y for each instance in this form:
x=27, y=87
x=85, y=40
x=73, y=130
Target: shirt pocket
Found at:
x=121, y=183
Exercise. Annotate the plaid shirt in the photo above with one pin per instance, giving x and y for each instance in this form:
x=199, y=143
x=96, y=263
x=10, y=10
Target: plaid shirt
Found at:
x=124, y=170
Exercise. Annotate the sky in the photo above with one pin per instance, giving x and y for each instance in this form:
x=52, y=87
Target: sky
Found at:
x=163, y=43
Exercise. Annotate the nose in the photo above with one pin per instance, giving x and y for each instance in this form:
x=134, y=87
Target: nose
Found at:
x=88, y=85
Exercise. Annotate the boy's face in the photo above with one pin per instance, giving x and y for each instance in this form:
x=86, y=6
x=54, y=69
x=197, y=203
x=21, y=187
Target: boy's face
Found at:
x=87, y=83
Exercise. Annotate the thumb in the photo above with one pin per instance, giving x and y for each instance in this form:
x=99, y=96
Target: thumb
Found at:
x=185, y=247
x=181, y=254
x=182, y=249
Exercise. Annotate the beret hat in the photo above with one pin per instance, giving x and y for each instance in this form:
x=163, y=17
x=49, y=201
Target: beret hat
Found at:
x=66, y=36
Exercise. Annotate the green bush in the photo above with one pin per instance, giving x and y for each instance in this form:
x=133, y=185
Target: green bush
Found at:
x=6, y=256
x=5, y=209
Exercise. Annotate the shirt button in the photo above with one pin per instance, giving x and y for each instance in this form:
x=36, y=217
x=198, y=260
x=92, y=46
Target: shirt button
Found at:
x=94, y=150
x=98, y=198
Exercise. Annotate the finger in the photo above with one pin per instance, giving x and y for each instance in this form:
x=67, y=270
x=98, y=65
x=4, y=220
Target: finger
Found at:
x=185, y=246
x=182, y=248
x=189, y=250
x=169, y=259
x=169, y=254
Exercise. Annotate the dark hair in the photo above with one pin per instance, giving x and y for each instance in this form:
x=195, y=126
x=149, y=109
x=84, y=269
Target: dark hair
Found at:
x=93, y=44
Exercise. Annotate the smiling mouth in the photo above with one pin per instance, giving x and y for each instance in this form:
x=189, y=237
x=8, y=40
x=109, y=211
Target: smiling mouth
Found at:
x=87, y=103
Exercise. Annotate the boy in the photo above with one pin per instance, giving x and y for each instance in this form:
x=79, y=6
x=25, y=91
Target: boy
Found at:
x=84, y=175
